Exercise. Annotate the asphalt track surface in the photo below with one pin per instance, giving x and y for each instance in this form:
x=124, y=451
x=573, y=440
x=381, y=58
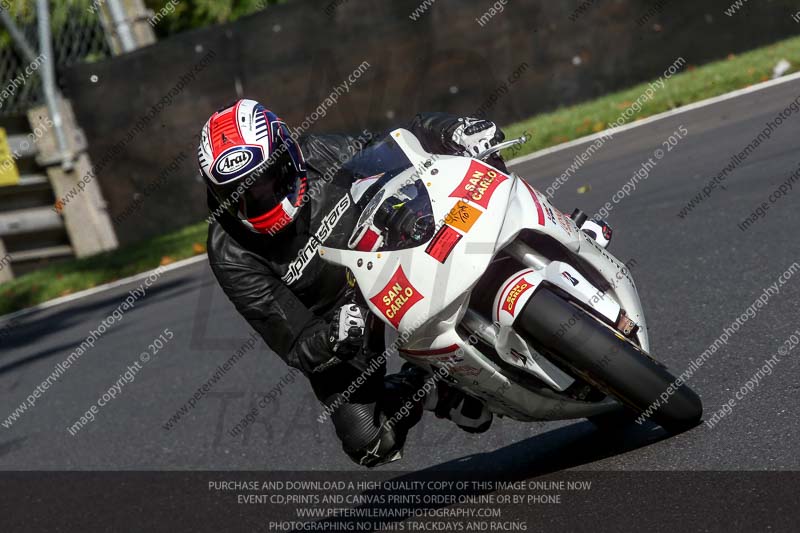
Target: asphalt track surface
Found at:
x=695, y=275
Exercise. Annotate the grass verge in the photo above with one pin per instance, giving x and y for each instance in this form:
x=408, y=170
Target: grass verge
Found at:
x=61, y=279
x=548, y=129
x=692, y=85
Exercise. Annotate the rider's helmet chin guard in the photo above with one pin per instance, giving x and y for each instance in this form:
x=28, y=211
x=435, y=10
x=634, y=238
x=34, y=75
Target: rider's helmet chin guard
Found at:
x=253, y=166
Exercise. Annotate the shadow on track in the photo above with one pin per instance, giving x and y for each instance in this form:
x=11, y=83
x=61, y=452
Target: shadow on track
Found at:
x=34, y=329
x=560, y=449
x=11, y=445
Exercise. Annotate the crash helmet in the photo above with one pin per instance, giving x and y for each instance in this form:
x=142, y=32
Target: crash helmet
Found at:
x=253, y=166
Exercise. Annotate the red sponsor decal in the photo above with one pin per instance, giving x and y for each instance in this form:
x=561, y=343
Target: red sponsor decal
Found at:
x=479, y=184
x=396, y=298
x=443, y=243
x=514, y=294
x=507, y=285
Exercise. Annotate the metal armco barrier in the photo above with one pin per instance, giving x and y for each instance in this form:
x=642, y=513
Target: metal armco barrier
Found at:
x=29, y=229
x=33, y=225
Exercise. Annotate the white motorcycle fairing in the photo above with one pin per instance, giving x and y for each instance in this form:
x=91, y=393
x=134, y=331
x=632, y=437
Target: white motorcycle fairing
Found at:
x=424, y=292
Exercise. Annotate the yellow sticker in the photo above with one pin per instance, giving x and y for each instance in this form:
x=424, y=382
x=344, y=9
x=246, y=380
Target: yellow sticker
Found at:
x=9, y=174
x=463, y=216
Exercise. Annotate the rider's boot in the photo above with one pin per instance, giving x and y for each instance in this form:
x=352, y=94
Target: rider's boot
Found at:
x=467, y=412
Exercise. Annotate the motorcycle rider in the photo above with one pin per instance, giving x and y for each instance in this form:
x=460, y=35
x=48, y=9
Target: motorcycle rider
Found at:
x=274, y=201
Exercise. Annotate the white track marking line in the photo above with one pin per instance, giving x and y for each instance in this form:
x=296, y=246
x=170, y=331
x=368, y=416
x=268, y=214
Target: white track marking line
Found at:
x=101, y=288
x=666, y=114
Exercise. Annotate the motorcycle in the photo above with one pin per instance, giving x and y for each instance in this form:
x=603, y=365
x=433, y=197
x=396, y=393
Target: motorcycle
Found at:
x=503, y=296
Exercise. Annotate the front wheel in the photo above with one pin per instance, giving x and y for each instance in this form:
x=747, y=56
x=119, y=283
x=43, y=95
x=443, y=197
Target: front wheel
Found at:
x=604, y=358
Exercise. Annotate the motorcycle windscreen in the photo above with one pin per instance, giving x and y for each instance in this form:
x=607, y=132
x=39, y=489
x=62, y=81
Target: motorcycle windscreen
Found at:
x=383, y=157
x=405, y=216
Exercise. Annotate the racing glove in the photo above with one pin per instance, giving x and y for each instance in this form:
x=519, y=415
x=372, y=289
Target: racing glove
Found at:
x=347, y=333
x=474, y=135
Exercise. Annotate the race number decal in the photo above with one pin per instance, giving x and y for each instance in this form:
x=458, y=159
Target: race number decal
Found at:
x=396, y=298
x=479, y=184
x=443, y=243
x=463, y=216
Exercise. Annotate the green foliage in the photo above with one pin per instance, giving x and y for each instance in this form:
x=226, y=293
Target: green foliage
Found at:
x=692, y=85
x=24, y=13
x=179, y=15
x=76, y=275
x=190, y=14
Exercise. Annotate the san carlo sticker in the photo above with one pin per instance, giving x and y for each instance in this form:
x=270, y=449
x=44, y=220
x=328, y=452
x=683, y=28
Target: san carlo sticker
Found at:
x=479, y=184
x=396, y=298
x=516, y=291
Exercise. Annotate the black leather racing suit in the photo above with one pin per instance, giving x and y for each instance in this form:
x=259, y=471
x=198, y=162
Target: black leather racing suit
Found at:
x=288, y=293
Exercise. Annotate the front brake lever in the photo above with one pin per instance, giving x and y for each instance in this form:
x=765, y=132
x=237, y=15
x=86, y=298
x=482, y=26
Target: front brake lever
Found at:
x=501, y=146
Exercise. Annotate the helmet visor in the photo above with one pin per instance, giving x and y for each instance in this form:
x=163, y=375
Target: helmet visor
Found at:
x=263, y=189
x=269, y=185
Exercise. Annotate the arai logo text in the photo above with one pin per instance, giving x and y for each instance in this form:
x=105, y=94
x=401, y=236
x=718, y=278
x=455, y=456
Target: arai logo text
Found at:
x=234, y=161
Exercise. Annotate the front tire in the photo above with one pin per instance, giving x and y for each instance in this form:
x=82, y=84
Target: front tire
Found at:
x=603, y=357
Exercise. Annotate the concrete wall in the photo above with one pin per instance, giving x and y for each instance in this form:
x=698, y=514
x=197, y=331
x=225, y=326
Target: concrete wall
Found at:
x=292, y=56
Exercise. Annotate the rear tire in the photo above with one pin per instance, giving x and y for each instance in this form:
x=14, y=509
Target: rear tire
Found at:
x=603, y=357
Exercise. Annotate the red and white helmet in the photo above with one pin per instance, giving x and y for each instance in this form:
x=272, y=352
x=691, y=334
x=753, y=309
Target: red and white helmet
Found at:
x=253, y=166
